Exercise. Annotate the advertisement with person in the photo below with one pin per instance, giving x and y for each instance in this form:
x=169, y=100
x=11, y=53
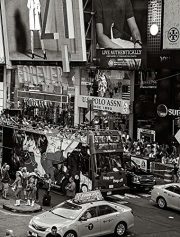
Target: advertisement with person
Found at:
x=45, y=30
x=121, y=33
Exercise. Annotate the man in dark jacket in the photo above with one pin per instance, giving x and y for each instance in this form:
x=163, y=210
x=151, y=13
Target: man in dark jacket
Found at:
x=5, y=181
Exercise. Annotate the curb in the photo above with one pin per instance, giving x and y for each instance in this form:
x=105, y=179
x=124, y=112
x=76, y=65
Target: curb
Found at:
x=12, y=208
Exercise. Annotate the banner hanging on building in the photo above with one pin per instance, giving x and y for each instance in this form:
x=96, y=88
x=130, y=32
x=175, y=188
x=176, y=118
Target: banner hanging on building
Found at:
x=50, y=30
x=121, y=33
x=2, y=56
x=171, y=26
x=105, y=104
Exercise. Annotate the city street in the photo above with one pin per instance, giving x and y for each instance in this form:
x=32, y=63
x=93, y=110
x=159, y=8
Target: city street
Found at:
x=150, y=221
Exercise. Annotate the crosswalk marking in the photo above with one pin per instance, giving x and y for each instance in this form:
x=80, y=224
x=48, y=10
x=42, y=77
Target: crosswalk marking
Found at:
x=119, y=196
x=131, y=195
x=144, y=195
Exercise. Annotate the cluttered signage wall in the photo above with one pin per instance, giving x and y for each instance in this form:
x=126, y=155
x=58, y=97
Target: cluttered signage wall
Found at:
x=105, y=104
x=45, y=30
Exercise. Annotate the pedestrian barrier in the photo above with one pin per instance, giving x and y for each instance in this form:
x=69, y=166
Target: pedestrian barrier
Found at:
x=168, y=176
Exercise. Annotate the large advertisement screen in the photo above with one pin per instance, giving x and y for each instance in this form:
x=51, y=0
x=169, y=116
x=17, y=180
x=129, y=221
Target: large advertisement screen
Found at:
x=45, y=30
x=121, y=33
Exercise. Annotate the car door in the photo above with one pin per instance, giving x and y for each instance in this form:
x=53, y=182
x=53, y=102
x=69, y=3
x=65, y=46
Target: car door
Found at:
x=172, y=196
x=108, y=216
x=89, y=224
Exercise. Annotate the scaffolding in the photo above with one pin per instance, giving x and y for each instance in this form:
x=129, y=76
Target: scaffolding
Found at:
x=89, y=29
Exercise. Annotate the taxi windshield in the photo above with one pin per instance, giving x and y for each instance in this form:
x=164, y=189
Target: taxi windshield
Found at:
x=67, y=210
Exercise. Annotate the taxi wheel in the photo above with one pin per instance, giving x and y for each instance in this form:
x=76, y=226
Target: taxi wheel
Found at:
x=120, y=229
x=161, y=203
x=70, y=234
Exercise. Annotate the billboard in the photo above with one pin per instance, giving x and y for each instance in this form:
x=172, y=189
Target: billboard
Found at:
x=2, y=56
x=171, y=26
x=121, y=33
x=50, y=30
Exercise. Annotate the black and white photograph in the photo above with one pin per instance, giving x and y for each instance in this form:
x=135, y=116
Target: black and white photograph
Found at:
x=89, y=118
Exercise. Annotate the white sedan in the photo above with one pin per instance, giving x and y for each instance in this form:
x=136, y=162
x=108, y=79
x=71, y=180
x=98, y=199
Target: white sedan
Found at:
x=90, y=219
x=167, y=195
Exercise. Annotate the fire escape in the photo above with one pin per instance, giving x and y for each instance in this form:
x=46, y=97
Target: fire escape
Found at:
x=89, y=30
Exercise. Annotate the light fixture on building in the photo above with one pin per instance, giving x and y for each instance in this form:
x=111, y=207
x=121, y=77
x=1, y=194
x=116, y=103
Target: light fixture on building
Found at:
x=154, y=29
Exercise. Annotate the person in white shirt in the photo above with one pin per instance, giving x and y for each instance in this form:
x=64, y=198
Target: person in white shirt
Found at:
x=34, y=7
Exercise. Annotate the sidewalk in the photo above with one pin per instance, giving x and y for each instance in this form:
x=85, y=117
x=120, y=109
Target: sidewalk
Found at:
x=56, y=198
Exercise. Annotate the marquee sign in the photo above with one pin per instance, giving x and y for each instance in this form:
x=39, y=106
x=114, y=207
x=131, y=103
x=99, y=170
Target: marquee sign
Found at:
x=105, y=104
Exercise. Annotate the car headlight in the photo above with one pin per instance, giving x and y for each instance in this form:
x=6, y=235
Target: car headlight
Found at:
x=136, y=179
x=58, y=229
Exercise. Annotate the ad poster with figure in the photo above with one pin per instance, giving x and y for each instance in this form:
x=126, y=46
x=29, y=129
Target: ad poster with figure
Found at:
x=45, y=30
x=120, y=33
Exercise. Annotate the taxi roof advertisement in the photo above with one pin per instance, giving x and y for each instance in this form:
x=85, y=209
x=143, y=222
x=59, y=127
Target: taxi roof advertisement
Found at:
x=45, y=30
x=121, y=33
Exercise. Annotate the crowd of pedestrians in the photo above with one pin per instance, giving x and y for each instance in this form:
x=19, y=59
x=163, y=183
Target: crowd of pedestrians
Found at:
x=26, y=185
x=164, y=153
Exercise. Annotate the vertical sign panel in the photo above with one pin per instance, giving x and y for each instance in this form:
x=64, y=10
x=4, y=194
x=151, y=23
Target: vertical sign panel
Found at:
x=171, y=25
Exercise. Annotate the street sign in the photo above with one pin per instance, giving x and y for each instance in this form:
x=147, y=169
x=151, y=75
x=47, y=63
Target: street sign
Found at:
x=90, y=104
x=177, y=136
x=90, y=115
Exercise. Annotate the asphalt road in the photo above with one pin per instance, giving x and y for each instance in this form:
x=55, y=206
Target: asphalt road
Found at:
x=150, y=221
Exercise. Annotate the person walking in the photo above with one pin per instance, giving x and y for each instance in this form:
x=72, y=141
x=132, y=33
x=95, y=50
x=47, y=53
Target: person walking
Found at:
x=175, y=173
x=71, y=188
x=38, y=176
x=5, y=181
x=25, y=176
x=53, y=232
x=17, y=185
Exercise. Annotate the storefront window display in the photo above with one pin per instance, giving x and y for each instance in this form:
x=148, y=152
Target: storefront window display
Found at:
x=109, y=84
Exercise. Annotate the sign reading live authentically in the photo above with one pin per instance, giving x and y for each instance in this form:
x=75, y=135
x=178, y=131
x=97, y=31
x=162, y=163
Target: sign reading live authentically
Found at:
x=119, y=58
x=122, y=41
x=105, y=104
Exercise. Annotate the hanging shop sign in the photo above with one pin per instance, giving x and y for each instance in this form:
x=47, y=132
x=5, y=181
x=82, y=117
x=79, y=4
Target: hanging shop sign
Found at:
x=45, y=30
x=163, y=111
x=171, y=27
x=34, y=98
x=105, y=104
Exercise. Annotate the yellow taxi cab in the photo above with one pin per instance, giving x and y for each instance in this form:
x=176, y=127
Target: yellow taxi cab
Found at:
x=87, y=215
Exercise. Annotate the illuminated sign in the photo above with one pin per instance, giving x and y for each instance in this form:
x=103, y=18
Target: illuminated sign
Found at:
x=88, y=197
x=107, y=142
x=163, y=111
x=41, y=30
x=120, y=47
